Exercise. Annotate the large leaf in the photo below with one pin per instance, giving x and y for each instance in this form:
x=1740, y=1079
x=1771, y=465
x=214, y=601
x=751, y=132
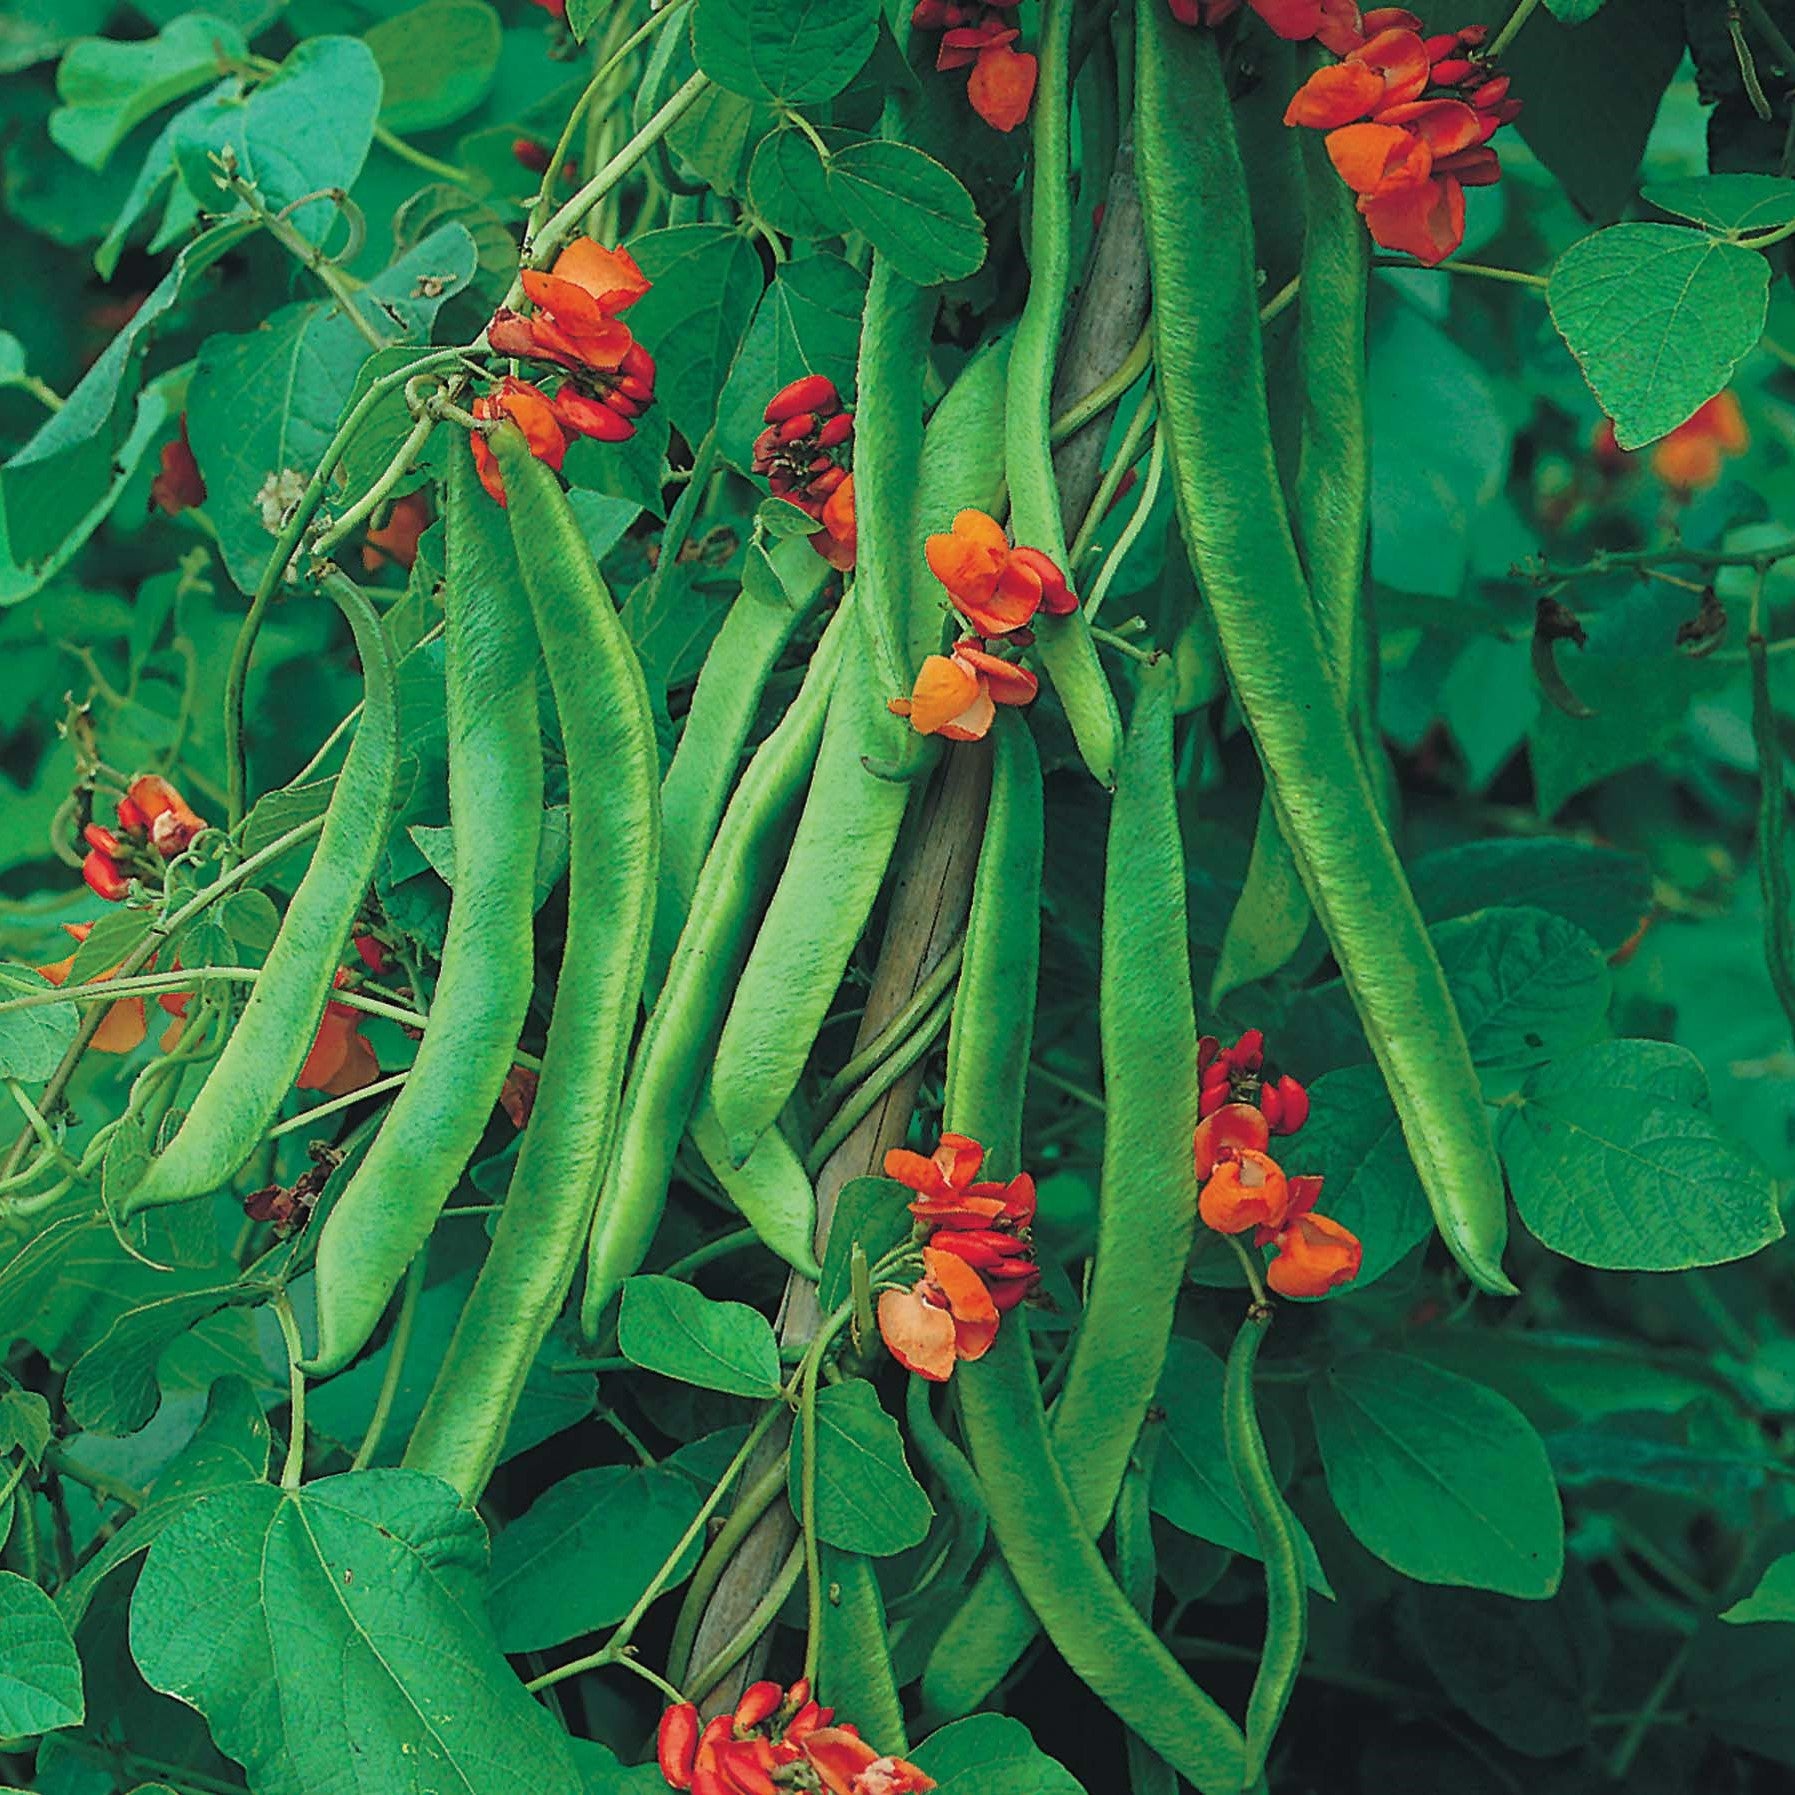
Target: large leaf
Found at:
x=1615, y=1161
x=707, y=279
x=798, y=51
x=108, y=89
x=263, y=406
x=436, y=62
x=33, y=1040
x=866, y=1499
x=315, y=1627
x=1442, y=1479
x=1727, y=202
x=912, y=210
x=40, y=1676
x=1772, y=1597
x=1527, y=984
x=1658, y=317
x=668, y=1327
x=991, y=1754
x=1606, y=893
x=585, y=1550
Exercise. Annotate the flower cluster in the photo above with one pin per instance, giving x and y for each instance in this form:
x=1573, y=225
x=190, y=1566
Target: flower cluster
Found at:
x=977, y=1262
x=1243, y=1187
x=776, y=1739
x=998, y=589
x=1690, y=458
x=606, y=376
x=980, y=35
x=800, y=455
x=155, y=823
x=1335, y=22
x=1409, y=121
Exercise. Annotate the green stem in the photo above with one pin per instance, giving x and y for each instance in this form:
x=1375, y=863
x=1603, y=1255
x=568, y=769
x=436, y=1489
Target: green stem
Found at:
x=114, y=1489
x=45, y=394
x=1517, y=277
x=1254, y=1282
x=857, y=1105
x=1627, y=1748
x=1523, y=11
x=1772, y=34
x=376, y=495
x=1773, y=810
x=311, y=1117
x=1281, y=300
x=397, y=1344
x=711, y=1252
x=764, y=1613
x=743, y=1518
x=941, y=978
x=1131, y=531
x=406, y=152
x=294, y=1467
x=1126, y=456
x=1102, y=396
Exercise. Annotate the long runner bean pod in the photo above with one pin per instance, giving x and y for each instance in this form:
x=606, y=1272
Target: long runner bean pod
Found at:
x=1280, y=1543
x=1137, y=1570
x=613, y=793
x=1212, y=394
x=1066, y=647
x=678, y=1042
x=483, y=990
x=770, y=1187
x=853, y=1654
x=724, y=703
x=1147, y=1020
x=1333, y=509
x=269, y=1045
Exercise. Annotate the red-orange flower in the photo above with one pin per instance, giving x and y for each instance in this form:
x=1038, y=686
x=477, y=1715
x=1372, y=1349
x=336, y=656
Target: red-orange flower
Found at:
x=838, y=540
x=1247, y=1189
x=1334, y=22
x=979, y=34
x=849, y=1766
x=1315, y=1253
x=178, y=483
x=1691, y=456
x=996, y=588
x=530, y=409
x=948, y=1194
x=1409, y=121
x=151, y=814
x=956, y=694
x=946, y=1316
x=397, y=539
x=576, y=304
x=340, y=1060
x=123, y=1026
x=1237, y=1075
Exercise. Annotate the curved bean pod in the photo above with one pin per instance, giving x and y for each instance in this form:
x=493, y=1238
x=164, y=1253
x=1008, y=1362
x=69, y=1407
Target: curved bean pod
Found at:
x=1137, y=1570
x=269, y=1045
x=613, y=796
x=853, y=1655
x=1280, y=1543
x=1212, y=393
x=483, y=990
x=678, y=1043
x=770, y=1187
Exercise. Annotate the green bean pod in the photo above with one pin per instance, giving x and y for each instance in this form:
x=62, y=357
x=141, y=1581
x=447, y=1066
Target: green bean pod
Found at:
x=1212, y=395
x=678, y=1043
x=483, y=990
x=1092, y=1624
x=820, y=908
x=1280, y=1544
x=1148, y=1024
x=1773, y=865
x=273, y=1036
x=709, y=755
x=1137, y=1570
x=613, y=799
x=1065, y=644
x=957, y=1484
x=770, y=1188
x=853, y=1666
x=1333, y=509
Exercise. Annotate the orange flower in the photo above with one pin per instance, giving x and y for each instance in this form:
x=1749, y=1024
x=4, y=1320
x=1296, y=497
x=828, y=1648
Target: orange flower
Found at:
x=837, y=541
x=530, y=409
x=1001, y=88
x=397, y=539
x=172, y=822
x=1233, y=1128
x=1690, y=458
x=340, y=1060
x=849, y=1766
x=956, y=694
x=178, y=484
x=1246, y=1190
x=1315, y=1253
x=575, y=321
x=996, y=588
x=123, y=1027
x=1335, y=22
x=946, y=1316
x=948, y=1195
x=1409, y=121
x=977, y=34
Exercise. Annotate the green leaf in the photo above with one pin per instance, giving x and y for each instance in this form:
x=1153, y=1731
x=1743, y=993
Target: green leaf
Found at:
x=707, y=279
x=808, y=322
x=1527, y=984
x=24, y=1424
x=585, y=1550
x=1772, y=1598
x=717, y=134
x=1354, y=1142
x=108, y=89
x=1669, y=1455
x=1615, y=1162
x=309, y=1626
x=436, y=62
x=798, y=51
x=668, y=1327
x=912, y=211
x=788, y=186
x=873, y=1213
x=1193, y=1486
x=263, y=406
x=866, y=1499
x=279, y=812
x=33, y=31
x=1442, y=1479
x=40, y=1676
x=33, y=1041
x=991, y=1754
x=1606, y=893
x=1528, y=1672
x=1658, y=318
x=1727, y=202
x=1573, y=12
x=1737, y=1681
x=111, y=938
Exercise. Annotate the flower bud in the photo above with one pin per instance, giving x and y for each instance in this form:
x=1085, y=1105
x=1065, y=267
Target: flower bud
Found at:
x=810, y=392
